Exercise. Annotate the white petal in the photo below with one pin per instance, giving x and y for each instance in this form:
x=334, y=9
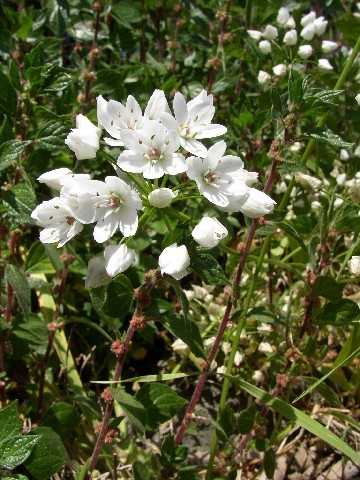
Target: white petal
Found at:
x=118, y=258
x=180, y=108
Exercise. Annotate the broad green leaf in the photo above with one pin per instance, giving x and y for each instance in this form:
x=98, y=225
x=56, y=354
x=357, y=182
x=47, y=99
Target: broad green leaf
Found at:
x=269, y=463
x=62, y=418
x=298, y=417
x=326, y=135
x=160, y=401
x=58, y=19
x=48, y=456
x=344, y=312
x=20, y=286
x=115, y=299
x=349, y=25
x=126, y=12
x=261, y=314
x=295, y=86
x=15, y=450
x=227, y=420
x=10, y=424
x=10, y=151
x=186, y=329
x=207, y=267
x=20, y=201
x=37, y=260
x=135, y=411
x=32, y=332
x=171, y=454
x=245, y=420
x=290, y=230
x=328, y=288
x=325, y=391
x=52, y=136
x=8, y=97
x=140, y=471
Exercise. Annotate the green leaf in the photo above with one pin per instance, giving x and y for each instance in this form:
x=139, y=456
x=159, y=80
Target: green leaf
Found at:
x=326, y=135
x=135, y=411
x=32, y=332
x=115, y=299
x=52, y=136
x=126, y=12
x=48, y=456
x=269, y=463
x=207, y=267
x=325, y=391
x=140, y=471
x=171, y=454
x=245, y=420
x=14, y=75
x=349, y=25
x=261, y=314
x=160, y=401
x=297, y=416
x=62, y=417
x=180, y=294
x=15, y=450
x=187, y=330
x=227, y=421
x=37, y=260
x=20, y=201
x=328, y=288
x=296, y=86
x=10, y=151
x=58, y=19
x=10, y=424
x=344, y=312
x=20, y=286
x=290, y=230
x=8, y=97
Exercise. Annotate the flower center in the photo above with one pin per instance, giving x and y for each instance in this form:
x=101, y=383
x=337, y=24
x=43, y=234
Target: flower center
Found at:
x=70, y=220
x=115, y=202
x=210, y=177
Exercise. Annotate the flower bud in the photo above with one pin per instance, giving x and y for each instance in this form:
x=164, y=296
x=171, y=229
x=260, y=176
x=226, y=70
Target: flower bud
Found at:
x=324, y=64
x=283, y=15
x=305, y=51
x=290, y=37
x=280, y=69
x=118, y=258
x=174, y=261
x=308, y=182
x=52, y=178
x=208, y=232
x=265, y=47
x=84, y=139
x=327, y=46
x=290, y=23
x=357, y=98
x=270, y=32
x=255, y=34
x=162, y=197
x=308, y=32
x=308, y=19
x=344, y=154
x=354, y=266
x=320, y=26
x=258, y=204
x=263, y=77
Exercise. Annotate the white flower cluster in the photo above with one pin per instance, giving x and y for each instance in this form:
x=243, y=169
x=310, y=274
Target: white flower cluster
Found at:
x=311, y=26
x=151, y=142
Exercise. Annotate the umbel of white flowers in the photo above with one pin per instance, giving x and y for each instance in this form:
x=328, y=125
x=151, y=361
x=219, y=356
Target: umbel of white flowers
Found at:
x=153, y=143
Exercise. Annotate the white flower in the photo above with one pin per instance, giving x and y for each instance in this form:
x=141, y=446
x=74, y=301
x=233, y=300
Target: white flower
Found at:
x=290, y=37
x=327, y=46
x=270, y=32
x=280, y=69
x=320, y=26
x=58, y=220
x=308, y=32
x=52, y=178
x=112, y=204
x=324, y=64
x=238, y=359
x=84, y=140
x=265, y=47
x=290, y=23
x=180, y=347
x=265, y=347
x=338, y=202
x=283, y=15
x=151, y=151
x=226, y=347
x=208, y=232
x=354, y=265
x=174, y=261
x=162, y=197
x=263, y=77
x=344, y=154
x=340, y=179
x=307, y=181
x=258, y=204
x=255, y=34
x=258, y=376
x=118, y=258
x=305, y=51
x=96, y=275
x=116, y=117
x=192, y=122
x=357, y=98
x=218, y=176
x=309, y=18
